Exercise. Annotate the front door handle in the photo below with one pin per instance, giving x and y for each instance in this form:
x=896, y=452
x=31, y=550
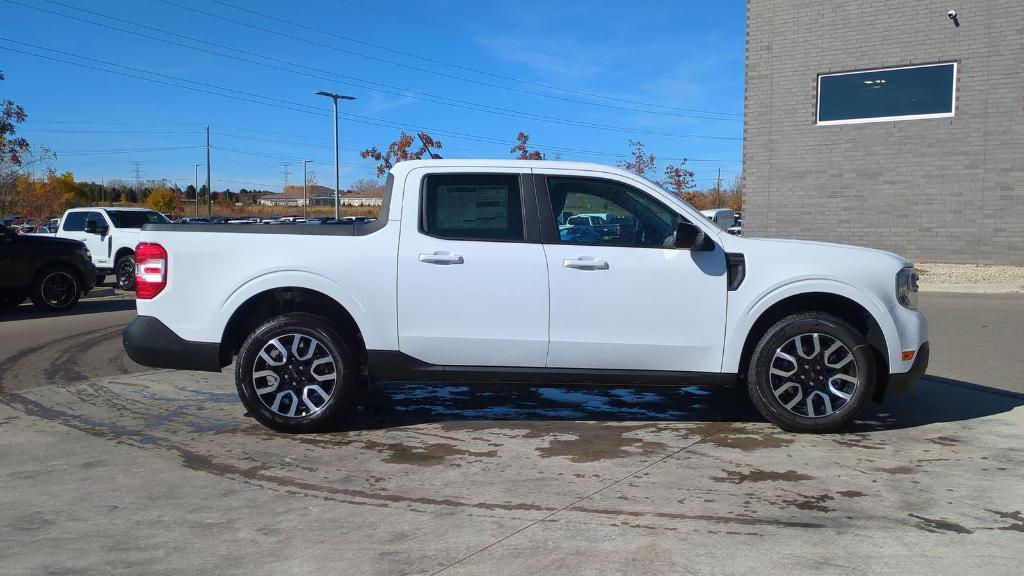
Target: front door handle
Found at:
x=442, y=258
x=585, y=263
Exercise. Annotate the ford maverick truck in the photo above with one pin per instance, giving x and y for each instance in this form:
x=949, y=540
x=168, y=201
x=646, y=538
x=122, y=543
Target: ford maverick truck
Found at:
x=469, y=276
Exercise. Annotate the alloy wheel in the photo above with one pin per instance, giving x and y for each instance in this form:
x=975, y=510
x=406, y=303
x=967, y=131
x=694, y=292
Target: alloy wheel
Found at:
x=295, y=375
x=59, y=289
x=814, y=375
x=125, y=274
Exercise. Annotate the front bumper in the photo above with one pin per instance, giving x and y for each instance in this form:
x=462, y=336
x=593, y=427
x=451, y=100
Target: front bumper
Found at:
x=150, y=342
x=88, y=276
x=899, y=383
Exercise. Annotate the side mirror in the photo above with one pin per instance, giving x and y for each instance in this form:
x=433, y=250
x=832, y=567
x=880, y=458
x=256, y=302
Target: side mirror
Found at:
x=690, y=237
x=90, y=226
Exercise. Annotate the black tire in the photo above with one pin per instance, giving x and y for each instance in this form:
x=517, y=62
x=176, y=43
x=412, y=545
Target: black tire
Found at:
x=100, y=279
x=294, y=375
x=55, y=288
x=124, y=272
x=813, y=382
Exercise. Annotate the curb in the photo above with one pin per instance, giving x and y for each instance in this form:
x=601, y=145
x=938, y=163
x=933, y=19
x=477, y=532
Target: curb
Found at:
x=974, y=288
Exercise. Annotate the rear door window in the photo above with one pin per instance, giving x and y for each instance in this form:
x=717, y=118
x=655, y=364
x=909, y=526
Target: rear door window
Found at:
x=135, y=218
x=473, y=207
x=75, y=221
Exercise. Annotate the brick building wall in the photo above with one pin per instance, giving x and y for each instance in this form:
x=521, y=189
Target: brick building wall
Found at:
x=934, y=190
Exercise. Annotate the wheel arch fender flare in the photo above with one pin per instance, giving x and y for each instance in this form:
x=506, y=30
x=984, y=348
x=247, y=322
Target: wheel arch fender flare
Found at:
x=304, y=280
x=746, y=319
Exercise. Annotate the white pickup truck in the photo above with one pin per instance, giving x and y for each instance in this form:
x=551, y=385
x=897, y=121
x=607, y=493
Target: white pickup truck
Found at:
x=465, y=278
x=111, y=235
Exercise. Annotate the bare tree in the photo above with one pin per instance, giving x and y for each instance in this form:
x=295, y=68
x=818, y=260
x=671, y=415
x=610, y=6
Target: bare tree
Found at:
x=642, y=163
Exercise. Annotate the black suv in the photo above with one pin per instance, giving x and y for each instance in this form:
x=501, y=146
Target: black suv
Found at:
x=53, y=272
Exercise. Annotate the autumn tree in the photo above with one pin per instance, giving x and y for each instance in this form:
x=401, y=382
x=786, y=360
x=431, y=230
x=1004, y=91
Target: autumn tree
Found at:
x=12, y=151
x=47, y=197
x=678, y=180
x=161, y=199
x=642, y=163
x=522, y=148
x=399, y=151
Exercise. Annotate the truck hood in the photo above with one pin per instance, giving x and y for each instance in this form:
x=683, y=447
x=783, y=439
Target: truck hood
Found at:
x=817, y=249
x=44, y=240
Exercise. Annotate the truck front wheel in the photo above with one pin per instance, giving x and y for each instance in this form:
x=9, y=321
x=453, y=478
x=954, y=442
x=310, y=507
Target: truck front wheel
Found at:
x=811, y=372
x=295, y=374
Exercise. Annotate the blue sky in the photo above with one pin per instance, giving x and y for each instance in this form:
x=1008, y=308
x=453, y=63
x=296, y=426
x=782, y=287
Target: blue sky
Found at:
x=582, y=78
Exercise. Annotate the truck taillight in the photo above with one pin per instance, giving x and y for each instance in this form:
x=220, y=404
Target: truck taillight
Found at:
x=150, y=270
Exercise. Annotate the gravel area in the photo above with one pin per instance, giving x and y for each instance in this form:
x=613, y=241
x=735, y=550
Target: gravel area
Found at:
x=959, y=274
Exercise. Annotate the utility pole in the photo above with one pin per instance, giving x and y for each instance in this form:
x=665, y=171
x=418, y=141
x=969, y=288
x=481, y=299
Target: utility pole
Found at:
x=196, y=166
x=337, y=165
x=137, y=172
x=718, y=189
x=305, y=193
x=103, y=186
x=209, y=190
x=285, y=172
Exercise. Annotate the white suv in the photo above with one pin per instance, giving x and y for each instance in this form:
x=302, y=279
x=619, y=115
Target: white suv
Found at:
x=111, y=235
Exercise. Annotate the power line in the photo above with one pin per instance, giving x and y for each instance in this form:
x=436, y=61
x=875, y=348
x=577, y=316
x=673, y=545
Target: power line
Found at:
x=122, y=151
x=500, y=143
x=277, y=102
x=358, y=82
x=426, y=70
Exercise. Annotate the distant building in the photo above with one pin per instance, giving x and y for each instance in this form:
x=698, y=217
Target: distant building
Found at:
x=886, y=123
x=317, y=195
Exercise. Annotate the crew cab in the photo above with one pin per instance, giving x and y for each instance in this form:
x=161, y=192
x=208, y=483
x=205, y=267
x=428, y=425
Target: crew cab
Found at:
x=466, y=278
x=53, y=272
x=111, y=235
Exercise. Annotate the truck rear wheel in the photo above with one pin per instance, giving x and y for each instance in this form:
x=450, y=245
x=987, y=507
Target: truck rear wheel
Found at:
x=124, y=272
x=811, y=372
x=294, y=373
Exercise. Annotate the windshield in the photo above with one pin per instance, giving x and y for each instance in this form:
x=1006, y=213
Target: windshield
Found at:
x=135, y=218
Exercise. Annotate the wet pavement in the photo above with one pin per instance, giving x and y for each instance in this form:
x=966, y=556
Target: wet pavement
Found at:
x=161, y=473
x=107, y=467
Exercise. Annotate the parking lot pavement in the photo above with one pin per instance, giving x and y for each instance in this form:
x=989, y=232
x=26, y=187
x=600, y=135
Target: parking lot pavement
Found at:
x=160, y=472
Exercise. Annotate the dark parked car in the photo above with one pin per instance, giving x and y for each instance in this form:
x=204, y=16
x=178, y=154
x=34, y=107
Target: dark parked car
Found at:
x=53, y=272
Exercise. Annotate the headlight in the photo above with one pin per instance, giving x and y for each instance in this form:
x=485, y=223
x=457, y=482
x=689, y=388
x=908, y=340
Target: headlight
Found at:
x=906, y=287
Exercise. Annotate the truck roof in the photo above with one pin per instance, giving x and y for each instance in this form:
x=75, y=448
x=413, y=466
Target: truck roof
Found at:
x=125, y=208
x=408, y=165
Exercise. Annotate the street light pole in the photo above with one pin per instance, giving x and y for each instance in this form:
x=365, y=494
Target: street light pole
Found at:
x=197, y=188
x=209, y=186
x=337, y=166
x=305, y=197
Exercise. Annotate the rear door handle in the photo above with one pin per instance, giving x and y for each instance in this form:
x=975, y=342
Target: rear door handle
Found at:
x=585, y=263
x=442, y=258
